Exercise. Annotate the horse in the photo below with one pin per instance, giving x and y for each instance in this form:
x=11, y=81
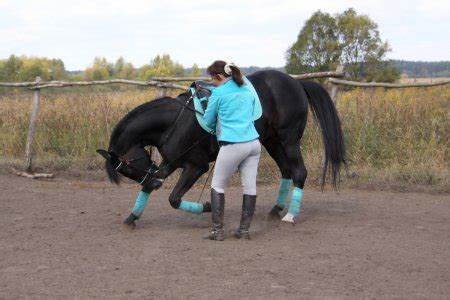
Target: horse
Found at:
x=170, y=125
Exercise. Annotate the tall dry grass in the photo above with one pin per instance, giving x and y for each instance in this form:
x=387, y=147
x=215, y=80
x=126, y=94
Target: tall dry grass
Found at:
x=399, y=135
x=391, y=135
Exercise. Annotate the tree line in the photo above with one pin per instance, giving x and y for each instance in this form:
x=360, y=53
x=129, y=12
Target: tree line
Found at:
x=423, y=69
x=23, y=68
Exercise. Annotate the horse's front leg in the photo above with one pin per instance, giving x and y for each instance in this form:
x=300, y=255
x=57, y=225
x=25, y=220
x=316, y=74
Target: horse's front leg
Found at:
x=143, y=196
x=187, y=179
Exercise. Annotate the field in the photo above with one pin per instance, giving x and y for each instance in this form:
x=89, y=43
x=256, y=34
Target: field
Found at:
x=392, y=136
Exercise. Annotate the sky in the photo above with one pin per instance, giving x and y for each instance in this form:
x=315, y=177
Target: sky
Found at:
x=249, y=33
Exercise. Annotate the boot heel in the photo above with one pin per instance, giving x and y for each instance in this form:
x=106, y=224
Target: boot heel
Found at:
x=248, y=209
x=218, y=235
x=243, y=235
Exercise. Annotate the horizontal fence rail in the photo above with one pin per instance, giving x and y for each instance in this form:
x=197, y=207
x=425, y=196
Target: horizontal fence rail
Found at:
x=338, y=73
x=53, y=84
x=159, y=82
x=386, y=85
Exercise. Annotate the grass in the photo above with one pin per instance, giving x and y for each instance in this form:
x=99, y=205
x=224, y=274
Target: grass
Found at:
x=392, y=136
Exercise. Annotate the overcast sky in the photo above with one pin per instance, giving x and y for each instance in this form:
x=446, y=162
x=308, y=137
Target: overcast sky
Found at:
x=255, y=32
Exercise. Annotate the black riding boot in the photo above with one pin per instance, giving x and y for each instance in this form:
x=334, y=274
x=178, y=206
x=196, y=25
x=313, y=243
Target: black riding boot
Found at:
x=248, y=208
x=217, y=209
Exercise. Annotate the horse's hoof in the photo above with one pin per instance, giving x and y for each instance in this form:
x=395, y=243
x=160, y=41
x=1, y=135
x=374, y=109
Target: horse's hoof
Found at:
x=274, y=214
x=289, y=218
x=206, y=207
x=273, y=217
x=129, y=226
x=129, y=222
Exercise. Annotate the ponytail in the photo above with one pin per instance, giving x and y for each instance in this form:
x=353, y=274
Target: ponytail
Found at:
x=236, y=75
x=227, y=70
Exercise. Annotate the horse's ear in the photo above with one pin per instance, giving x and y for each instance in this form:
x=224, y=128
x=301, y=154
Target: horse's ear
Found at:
x=104, y=153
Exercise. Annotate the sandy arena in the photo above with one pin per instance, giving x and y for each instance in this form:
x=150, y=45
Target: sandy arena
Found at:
x=64, y=239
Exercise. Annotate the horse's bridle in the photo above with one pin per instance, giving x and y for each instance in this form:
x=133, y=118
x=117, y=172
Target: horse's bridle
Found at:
x=150, y=172
x=153, y=167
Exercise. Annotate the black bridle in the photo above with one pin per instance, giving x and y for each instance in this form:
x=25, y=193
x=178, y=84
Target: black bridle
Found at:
x=151, y=171
x=154, y=169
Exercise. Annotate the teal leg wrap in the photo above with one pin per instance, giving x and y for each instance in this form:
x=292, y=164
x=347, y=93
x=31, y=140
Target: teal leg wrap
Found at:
x=140, y=204
x=191, y=207
x=296, y=201
x=283, y=192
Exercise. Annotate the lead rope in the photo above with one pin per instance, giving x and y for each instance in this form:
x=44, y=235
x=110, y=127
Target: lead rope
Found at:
x=207, y=178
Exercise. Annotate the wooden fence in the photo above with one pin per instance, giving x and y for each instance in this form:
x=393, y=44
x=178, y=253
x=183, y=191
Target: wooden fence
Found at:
x=164, y=83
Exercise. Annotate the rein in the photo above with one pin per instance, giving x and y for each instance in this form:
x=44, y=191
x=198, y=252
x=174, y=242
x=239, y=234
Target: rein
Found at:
x=152, y=170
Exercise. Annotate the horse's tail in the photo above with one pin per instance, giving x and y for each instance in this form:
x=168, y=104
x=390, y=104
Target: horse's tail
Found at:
x=325, y=113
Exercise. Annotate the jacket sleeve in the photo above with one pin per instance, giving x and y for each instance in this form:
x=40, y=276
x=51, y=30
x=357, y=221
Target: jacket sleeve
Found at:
x=256, y=103
x=210, y=115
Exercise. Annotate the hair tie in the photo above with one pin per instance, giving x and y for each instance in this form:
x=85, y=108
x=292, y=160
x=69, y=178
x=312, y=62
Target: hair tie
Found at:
x=227, y=68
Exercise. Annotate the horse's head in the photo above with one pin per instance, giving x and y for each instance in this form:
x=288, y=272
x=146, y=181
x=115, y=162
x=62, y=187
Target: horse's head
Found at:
x=136, y=164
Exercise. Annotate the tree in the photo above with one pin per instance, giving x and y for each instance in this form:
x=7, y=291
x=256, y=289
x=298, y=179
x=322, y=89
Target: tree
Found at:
x=317, y=47
x=347, y=38
x=362, y=47
x=11, y=68
x=118, y=66
x=101, y=70
x=2, y=71
x=123, y=69
x=56, y=69
x=25, y=68
x=32, y=67
x=195, y=71
x=127, y=71
x=161, y=65
x=383, y=71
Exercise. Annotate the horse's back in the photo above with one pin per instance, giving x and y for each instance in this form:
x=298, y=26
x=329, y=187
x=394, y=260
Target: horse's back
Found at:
x=283, y=99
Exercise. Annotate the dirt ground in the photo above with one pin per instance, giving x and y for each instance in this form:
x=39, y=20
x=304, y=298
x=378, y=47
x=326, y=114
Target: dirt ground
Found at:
x=64, y=239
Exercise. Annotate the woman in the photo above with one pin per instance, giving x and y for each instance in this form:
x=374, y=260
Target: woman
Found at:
x=230, y=111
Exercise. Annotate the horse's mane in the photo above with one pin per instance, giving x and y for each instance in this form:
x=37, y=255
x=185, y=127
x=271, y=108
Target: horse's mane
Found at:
x=137, y=111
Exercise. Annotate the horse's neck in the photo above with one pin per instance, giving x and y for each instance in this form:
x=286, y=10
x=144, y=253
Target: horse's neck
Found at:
x=145, y=128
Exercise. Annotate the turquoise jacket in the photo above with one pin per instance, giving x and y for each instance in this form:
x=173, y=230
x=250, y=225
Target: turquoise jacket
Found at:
x=230, y=111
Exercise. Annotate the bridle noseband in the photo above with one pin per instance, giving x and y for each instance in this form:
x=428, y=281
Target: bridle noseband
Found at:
x=150, y=172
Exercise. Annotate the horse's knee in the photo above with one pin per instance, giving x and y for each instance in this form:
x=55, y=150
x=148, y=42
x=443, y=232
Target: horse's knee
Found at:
x=175, y=202
x=303, y=175
x=146, y=189
x=299, y=177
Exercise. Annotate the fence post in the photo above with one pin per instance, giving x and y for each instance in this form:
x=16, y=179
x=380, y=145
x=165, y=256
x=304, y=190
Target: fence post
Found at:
x=335, y=87
x=32, y=127
x=334, y=92
x=162, y=92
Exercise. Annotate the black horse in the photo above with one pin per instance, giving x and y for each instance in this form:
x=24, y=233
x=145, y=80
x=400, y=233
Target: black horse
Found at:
x=170, y=125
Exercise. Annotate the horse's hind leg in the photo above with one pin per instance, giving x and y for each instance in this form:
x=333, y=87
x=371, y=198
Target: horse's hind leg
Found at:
x=299, y=174
x=276, y=151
